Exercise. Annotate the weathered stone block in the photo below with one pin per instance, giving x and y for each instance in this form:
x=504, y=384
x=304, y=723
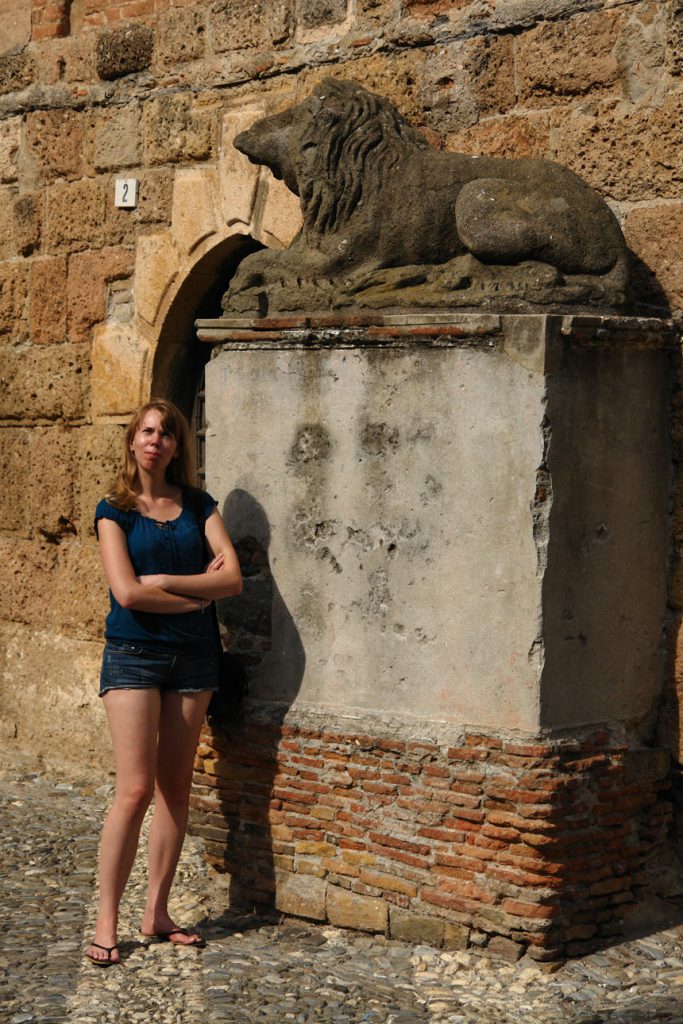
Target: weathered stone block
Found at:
x=99, y=458
x=15, y=470
x=352, y=910
x=15, y=25
x=281, y=219
x=674, y=37
x=313, y=13
x=268, y=24
x=8, y=246
x=466, y=81
x=27, y=566
x=89, y=275
x=48, y=693
x=13, y=295
x=155, y=197
x=300, y=895
x=654, y=233
x=79, y=571
x=54, y=143
x=194, y=215
x=407, y=926
x=53, y=496
x=174, y=131
x=156, y=266
x=44, y=382
x=113, y=138
x=69, y=59
x=238, y=177
x=569, y=58
x=28, y=222
x=180, y=36
x=512, y=136
x=123, y=51
x=628, y=153
x=47, y=300
x=505, y=949
x=75, y=215
x=119, y=362
x=10, y=136
x=16, y=71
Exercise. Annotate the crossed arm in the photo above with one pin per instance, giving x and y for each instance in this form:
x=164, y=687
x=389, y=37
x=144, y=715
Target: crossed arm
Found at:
x=170, y=594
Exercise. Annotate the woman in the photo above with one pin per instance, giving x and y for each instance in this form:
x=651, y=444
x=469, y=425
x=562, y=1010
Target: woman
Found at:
x=160, y=661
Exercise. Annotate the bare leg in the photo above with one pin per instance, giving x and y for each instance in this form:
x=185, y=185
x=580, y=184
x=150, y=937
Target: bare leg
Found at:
x=133, y=720
x=181, y=718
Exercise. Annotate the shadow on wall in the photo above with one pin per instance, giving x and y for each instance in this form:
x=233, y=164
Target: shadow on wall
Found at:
x=263, y=634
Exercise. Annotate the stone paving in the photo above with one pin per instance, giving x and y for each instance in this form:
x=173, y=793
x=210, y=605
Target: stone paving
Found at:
x=259, y=971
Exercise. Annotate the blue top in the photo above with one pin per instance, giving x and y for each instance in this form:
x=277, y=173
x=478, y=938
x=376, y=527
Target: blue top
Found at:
x=177, y=548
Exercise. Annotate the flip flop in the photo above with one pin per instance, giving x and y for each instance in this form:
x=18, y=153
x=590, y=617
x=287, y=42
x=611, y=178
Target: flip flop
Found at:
x=166, y=937
x=108, y=950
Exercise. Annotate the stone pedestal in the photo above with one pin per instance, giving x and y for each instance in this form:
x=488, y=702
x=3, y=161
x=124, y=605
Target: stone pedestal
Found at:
x=454, y=534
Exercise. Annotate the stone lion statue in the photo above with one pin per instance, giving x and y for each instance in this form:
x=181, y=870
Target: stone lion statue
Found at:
x=389, y=221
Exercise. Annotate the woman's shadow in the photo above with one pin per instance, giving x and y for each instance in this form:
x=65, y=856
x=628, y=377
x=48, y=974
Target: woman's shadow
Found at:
x=242, y=838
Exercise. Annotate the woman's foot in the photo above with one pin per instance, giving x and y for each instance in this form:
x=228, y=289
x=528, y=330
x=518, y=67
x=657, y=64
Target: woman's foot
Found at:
x=104, y=953
x=164, y=929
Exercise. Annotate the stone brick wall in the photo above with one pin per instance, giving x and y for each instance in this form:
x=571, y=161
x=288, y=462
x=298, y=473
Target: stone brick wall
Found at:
x=96, y=303
x=538, y=846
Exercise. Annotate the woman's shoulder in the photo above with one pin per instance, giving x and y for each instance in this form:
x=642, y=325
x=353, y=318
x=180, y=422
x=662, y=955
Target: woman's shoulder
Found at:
x=105, y=510
x=201, y=502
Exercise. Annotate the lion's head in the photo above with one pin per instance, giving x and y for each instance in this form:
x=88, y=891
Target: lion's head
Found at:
x=332, y=149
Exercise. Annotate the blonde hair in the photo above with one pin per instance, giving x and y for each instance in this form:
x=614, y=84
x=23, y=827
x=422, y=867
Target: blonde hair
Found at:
x=181, y=470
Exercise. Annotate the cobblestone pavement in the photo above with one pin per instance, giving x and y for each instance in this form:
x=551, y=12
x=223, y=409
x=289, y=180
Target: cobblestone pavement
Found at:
x=253, y=971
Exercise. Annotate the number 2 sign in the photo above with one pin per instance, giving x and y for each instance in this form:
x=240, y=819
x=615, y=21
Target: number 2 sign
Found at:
x=126, y=192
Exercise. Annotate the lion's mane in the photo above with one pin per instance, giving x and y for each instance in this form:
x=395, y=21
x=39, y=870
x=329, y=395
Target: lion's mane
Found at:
x=354, y=138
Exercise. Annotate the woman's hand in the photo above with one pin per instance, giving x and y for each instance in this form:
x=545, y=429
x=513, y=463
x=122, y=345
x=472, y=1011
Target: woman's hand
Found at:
x=154, y=580
x=216, y=563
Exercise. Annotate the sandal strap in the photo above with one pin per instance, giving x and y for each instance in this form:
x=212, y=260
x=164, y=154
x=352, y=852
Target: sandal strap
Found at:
x=107, y=949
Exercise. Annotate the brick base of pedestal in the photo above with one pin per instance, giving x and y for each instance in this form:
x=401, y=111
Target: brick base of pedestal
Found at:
x=539, y=846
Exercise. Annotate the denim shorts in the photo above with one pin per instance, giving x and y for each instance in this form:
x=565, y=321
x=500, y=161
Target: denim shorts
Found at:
x=133, y=666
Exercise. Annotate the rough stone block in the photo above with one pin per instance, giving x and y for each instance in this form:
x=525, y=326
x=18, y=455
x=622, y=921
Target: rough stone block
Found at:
x=654, y=233
x=123, y=51
x=407, y=926
x=194, y=215
x=504, y=949
x=54, y=143
x=466, y=81
x=314, y=13
x=281, y=219
x=69, y=59
x=119, y=362
x=513, y=136
x=44, y=382
x=15, y=25
x=238, y=177
x=569, y=58
x=52, y=498
x=674, y=37
x=10, y=136
x=15, y=471
x=155, y=197
x=99, y=458
x=75, y=215
x=27, y=566
x=13, y=295
x=156, y=266
x=28, y=222
x=174, y=131
x=79, y=571
x=628, y=153
x=352, y=910
x=35, y=662
x=16, y=71
x=8, y=246
x=300, y=895
x=47, y=300
x=113, y=138
x=180, y=36
x=268, y=24
x=89, y=275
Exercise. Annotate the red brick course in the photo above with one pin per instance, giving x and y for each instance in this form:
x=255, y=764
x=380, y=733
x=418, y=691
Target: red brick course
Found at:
x=543, y=843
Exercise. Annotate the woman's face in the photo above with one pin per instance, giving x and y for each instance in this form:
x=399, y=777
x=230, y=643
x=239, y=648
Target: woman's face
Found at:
x=154, y=447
